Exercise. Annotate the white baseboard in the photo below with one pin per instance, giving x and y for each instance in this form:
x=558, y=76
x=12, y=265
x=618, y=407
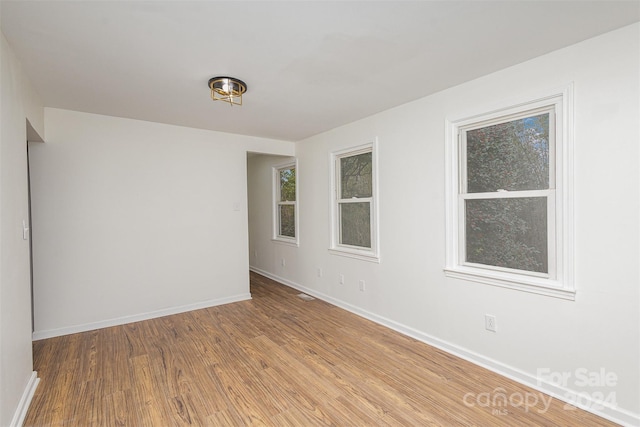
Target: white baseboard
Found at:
x=569, y=396
x=25, y=401
x=50, y=333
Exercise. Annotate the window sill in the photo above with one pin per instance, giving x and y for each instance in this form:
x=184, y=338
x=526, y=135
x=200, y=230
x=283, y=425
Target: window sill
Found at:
x=362, y=255
x=513, y=281
x=288, y=242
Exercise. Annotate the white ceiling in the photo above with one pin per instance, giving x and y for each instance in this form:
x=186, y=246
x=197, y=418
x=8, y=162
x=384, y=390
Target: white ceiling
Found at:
x=310, y=66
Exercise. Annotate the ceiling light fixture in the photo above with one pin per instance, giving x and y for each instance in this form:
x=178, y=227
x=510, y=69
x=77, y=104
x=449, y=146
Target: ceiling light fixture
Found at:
x=227, y=89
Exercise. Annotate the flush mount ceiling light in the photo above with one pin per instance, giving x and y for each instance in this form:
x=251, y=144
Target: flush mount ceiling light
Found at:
x=227, y=89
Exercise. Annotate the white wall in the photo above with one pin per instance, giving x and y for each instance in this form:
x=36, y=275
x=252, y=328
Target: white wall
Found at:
x=18, y=102
x=134, y=219
x=408, y=289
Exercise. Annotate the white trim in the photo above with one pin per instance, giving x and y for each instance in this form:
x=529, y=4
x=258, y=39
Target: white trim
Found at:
x=25, y=401
x=284, y=241
x=354, y=253
x=50, y=333
x=509, y=195
x=335, y=248
x=275, y=197
x=617, y=415
x=560, y=282
x=524, y=283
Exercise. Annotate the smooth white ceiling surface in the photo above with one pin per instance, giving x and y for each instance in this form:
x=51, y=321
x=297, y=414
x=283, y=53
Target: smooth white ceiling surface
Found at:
x=309, y=66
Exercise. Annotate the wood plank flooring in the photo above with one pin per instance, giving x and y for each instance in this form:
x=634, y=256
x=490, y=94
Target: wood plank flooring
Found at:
x=276, y=360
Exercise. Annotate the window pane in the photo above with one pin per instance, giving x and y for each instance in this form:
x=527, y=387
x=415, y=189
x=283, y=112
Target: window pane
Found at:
x=511, y=156
x=355, y=176
x=355, y=224
x=509, y=233
x=288, y=185
x=287, y=220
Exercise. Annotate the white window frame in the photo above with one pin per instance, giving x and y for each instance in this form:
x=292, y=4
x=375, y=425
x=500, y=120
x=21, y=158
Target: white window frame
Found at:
x=277, y=237
x=559, y=280
x=371, y=254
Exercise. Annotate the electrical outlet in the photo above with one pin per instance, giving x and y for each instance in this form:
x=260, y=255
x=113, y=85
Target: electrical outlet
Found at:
x=362, y=287
x=490, y=323
x=319, y=272
x=255, y=253
x=341, y=279
x=283, y=263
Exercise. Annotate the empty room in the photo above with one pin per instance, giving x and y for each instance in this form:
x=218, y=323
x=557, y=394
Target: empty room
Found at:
x=300, y=213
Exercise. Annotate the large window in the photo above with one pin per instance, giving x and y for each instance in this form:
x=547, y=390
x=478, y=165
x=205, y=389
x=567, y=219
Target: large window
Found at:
x=285, y=205
x=508, y=207
x=354, y=219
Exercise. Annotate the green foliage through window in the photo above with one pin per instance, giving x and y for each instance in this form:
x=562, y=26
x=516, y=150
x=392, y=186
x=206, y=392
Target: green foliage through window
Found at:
x=288, y=185
x=509, y=233
x=287, y=221
x=355, y=224
x=355, y=176
x=512, y=156
x=354, y=200
x=355, y=183
x=502, y=230
x=286, y=203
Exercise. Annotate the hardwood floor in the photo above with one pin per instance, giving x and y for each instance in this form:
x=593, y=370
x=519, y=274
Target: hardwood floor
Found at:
x=276, y=360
